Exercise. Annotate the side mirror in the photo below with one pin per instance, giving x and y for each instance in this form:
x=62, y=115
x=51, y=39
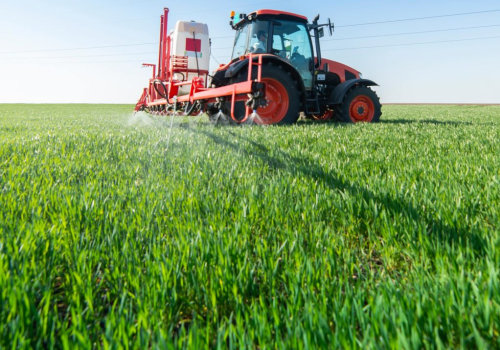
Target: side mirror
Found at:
x=331, y=27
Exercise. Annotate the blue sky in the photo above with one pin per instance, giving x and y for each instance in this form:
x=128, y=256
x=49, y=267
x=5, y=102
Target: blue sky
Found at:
x=52, y=51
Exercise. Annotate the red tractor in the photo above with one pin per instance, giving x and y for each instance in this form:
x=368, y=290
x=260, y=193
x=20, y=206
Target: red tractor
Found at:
x=274, y=74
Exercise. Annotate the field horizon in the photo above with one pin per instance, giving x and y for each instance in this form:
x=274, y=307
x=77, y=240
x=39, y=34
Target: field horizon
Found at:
x=383, y=103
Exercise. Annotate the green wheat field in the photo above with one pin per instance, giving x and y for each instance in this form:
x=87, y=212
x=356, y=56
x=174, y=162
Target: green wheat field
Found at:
x=126, y=230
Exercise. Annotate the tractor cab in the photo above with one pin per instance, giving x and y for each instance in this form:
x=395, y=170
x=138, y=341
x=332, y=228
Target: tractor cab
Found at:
x=282, y=34
x=274, y=75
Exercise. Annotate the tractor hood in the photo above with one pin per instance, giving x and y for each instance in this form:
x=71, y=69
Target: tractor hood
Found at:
x=343, y=71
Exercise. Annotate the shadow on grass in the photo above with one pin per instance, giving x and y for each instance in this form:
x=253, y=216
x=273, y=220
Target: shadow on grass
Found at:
x=424, y=121
x=309, y=123
x=437, y=229
x=191, y=122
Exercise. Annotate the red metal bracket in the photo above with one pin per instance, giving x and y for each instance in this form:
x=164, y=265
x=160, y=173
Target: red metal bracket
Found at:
x=259, y=78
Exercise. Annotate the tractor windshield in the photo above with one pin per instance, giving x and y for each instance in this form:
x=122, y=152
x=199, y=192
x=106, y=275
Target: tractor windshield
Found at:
x=286, y=39
x=251, y=38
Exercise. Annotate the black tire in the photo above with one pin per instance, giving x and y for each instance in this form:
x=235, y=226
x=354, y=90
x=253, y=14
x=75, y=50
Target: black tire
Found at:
x=278, y=83
x=360, y=104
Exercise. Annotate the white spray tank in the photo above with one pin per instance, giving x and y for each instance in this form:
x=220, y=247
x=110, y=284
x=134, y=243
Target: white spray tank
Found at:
x=191, y=45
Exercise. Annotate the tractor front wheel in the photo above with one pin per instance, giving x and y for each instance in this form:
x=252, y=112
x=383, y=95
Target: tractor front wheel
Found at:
x=282, y=97
x=361, y=104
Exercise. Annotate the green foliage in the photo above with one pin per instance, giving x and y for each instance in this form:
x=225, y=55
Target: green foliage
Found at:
x=117, y=230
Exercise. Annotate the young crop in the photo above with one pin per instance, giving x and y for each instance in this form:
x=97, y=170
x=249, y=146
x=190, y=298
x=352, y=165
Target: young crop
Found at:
x=119, y=229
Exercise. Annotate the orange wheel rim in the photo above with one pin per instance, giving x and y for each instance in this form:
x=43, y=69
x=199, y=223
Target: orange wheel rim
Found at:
x=361, y=109
x=325, y=116
x=277, y=103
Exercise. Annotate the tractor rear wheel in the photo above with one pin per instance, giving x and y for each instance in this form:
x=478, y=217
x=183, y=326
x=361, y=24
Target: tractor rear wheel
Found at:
x=282, y=97
x=361, y=104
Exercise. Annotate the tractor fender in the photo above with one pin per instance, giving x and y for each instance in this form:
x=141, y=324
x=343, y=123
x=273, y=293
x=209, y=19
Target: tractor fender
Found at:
x=337, y=95
x=236, y=67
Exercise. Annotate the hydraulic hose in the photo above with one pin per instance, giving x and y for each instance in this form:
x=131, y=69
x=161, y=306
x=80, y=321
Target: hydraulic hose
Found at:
x=164, y=95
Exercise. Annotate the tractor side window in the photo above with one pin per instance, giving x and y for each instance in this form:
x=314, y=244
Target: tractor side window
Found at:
x=278, y=46
x=240, y=43
x=297, y=47
x=301, y=56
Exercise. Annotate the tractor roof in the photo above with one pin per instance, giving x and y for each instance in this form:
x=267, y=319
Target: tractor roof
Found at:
x=276, y=13
x=240, y=19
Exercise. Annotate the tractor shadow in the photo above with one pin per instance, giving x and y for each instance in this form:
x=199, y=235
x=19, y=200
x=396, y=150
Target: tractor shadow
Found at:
x=396, y=206
x=424, y=121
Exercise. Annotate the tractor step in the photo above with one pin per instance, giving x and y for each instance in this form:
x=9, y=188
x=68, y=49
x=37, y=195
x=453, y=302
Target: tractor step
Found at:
x=312, y=106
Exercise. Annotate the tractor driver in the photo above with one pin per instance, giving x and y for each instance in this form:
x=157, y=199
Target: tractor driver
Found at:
x=261, y=45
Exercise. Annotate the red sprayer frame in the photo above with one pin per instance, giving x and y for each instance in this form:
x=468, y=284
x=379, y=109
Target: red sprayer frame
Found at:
x=162, y=91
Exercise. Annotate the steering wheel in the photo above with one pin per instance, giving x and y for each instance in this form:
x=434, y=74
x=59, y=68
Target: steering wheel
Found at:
x=255, y=49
